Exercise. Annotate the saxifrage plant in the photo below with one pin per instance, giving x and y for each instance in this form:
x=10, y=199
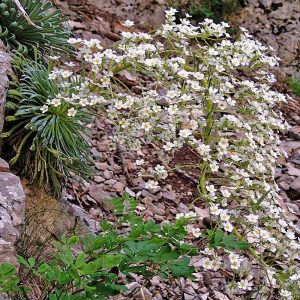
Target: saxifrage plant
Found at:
x=195, y=95
x=49, y=142
x=48, y=32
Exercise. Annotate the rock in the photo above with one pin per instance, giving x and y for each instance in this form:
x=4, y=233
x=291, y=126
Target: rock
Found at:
x=293, y=171
x=147, y=194
x=11, y=215
x=97, y=193
x=145, y=13
x=286, y=178
x=102, y=166
x=293, y=208
x=284, y=185
x=170, y=196
x=97, y=155
x=294, y=191
x=108, y=174
x=119, y=187
x=294, y=133
x=295, y=158
x=98, y=179
x=130, y=192
x=220, y=296
x=4, y=166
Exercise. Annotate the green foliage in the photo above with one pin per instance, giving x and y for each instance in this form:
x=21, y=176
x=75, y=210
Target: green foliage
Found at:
x=92, y=271
x=218, y=238
x=294, y=85
x=49, y=32
x=8, y=279
x=49, y=146
x=212, y=9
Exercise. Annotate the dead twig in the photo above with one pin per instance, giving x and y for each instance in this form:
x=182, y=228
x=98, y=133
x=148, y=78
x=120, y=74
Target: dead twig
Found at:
x=24, y=13
x=124, y=165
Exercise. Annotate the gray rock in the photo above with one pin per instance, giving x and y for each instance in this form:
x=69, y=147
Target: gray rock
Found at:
x=295, y=158
x=4, y=70
x=284, y=185
x=103, y=198
x=102, y=166
x=108, y=174
x=99, y=179
x=11, y=215
x=294, y=191
x=170, y=196
x=4, y=167
x=293, y=171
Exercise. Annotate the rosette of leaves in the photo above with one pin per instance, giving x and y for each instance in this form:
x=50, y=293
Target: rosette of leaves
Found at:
x=50, y=146
x=46, y=31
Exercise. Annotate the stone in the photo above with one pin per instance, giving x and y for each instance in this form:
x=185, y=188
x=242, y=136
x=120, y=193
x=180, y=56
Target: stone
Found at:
x=284, y=185
x=99, y=179
x=102, y=166
x=295, y=158
x=97, y=154
x=294, y=191
x=293, y=208
x=4, y=166
x=108, y=174
x=130, y=192
x=119, y=187
x=145, y=13
x=293, y=171
x=147, y=194
x=11, y=215
x=103, y=198
x=170, y=196
x=294, y=133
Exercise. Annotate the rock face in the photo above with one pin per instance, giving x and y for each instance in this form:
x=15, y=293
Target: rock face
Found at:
x=11, y=215
x=145, y=13
x=276, y=23
x=4, y=69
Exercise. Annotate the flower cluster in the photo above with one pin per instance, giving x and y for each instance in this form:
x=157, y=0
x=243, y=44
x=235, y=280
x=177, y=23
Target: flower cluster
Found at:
x=191, y=92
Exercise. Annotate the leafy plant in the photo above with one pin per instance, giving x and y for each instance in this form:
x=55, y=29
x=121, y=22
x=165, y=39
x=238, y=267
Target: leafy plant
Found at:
x=213, y=9
x=48, y=145
x=48, y=31
x=218, y=238
x=94, y=269
x=294, y=85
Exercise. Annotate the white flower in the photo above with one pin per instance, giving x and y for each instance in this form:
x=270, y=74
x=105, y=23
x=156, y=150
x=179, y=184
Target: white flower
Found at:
x=196, y=232
x=44, y=108
x=146, y=126
x=285, y=294
x=206, y=263
x=214, y=166
x=225, y=192
x=83, y=102
x=168, y=146
x=228, y=227
x=128, y=23
x=252, y=218
x=151, y=184
x=56, y=102
x=72, y=112
x=190, y=214
x=185, y=133
x=180, y=216
x=66, y=74
x=139, y=162
x=245, y=285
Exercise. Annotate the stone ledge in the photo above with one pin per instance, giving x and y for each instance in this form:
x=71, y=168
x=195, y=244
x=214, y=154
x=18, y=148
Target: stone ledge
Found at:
x=12, y=199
